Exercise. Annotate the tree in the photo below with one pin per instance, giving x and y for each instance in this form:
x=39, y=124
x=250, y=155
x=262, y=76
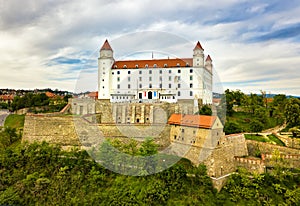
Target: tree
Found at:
x=229, y=102
x=279, y=100
x=292, y=112
x=205, y=110
x=295, y=131
x=261, y=114
x=66, y=98
x=232, y=128
x=8, y=136
x=264, y=98
x=148, y=147
x=253, y=101
x=256, y=126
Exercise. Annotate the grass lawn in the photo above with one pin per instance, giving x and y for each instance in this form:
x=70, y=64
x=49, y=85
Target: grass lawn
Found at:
x=255, y=137
x=273, y=138
x=15, y=121
x=270, y=139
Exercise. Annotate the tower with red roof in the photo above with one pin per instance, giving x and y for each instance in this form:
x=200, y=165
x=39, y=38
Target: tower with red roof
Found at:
x=105, y=62
x=198, y=56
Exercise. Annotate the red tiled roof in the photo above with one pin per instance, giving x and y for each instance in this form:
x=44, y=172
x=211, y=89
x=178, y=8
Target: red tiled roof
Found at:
x=50, y=94
x=269, y=100
x=208, y=58
x=198, y=46
x=106, y=46
x=93, y=95
x=202, y=121
x=159, y=63
x=7, y=97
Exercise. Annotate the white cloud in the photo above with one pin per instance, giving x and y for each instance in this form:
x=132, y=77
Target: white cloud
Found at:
x=34, y=34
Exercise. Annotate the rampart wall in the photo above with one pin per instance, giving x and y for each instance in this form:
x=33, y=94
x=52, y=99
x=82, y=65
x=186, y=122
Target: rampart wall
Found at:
x=221, y=161
x=255, y=146
x=58, y=129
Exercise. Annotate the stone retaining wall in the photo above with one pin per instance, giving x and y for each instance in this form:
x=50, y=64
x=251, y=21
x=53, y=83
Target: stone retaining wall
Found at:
x=268, y=148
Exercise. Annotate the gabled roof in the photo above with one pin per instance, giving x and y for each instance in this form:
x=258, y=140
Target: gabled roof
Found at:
x=208, y=58
x=159, y=63
x=201, y=121
x=106, y=46
x=6, y=97
x=93, y=95
x=198, y=46
x=50, y=94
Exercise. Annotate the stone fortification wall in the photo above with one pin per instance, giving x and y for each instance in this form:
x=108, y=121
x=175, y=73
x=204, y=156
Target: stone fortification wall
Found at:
x=82, y=106
x=222, y=159
x=57, y=129
x=219, y=159
x=131, y=113
x=288, y=141
x=254, y=147
x=67, y=130
x=289, y=160
x=251, y=164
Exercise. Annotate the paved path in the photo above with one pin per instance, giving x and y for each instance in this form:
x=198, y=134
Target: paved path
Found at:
x=274, y=129
x=269, y=131
x=3, y=115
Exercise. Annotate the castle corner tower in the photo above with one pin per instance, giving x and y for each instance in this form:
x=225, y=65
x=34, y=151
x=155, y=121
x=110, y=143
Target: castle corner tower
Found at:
x=198, y=56
x=105, y=62
x=208, y=63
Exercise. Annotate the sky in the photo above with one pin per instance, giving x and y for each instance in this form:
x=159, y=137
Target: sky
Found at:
x=254, y=45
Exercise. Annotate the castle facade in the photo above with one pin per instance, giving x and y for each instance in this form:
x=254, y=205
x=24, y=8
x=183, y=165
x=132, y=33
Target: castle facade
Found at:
x=157, y=80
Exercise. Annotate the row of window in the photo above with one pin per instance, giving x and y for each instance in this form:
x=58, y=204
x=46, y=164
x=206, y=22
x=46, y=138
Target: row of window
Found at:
x=150, y=78
x=150, y=86
x=122, y=97
x=160, y=86
x=182, y=138
x=154, y=66
x=150, y=71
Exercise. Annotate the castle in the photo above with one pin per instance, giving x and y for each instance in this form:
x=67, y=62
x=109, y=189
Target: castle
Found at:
x=148, y=98
x=165, y=80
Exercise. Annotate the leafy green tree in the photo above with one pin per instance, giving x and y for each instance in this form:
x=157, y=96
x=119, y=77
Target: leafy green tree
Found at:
x=232, y=128
x=238, y=97
x=261, y=115
x=229, y=102
x=292, y=112
x=205, y=110
x=8, y=136
x=279, y=101
x=4, y=105
x=67, y=97
x=254, y=101
x=148, y=147
x=256, y=126
x=295, y=132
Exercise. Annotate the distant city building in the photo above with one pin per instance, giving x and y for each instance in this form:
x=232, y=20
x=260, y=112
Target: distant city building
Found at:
x=156, y=80
x=6, y=98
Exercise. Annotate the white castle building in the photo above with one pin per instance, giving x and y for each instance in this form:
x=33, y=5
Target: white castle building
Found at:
x=157, y=80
